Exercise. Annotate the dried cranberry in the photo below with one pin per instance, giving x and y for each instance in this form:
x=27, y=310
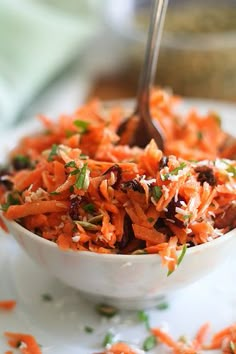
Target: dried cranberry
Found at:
x=205, y=174
x=74, y=207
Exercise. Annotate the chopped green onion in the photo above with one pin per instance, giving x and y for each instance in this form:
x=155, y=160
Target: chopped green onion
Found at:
x=156, y=193
x=54, y=193
x=163, y=306
x=184, y=249
x=96, y=219
x=217, y=118
x=75, y=172
x=90, y=208
x=149, y=343
x=108, y=339
x=80, y=179
x=47, y=132
x=174, y=172
x=82, y=125
x=106, y=310
x=199, y=135
x=12, y=199
x=69, y=133
x=187, y=216
x=183, y=339
x=143, y=317
x=53, y=152
x=180, y=258
x=150, y=219
x=88, y=329
x=232, y=346
x=71, y=189
x=71, y=164
x=231, y=169
x=80, y=174
x=88, y=226
x=47, y=297
x=83, y=157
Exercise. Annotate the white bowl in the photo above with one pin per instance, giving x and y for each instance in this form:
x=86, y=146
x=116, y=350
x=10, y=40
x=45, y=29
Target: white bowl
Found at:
x=126, y=281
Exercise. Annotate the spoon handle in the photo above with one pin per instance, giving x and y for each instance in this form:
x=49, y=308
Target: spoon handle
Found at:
x=158, y=11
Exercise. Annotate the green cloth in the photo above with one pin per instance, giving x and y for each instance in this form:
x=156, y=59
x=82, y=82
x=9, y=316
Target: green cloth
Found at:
x=37, y=40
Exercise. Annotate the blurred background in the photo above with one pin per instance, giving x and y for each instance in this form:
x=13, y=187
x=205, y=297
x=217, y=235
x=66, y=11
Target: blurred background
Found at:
x=54, y=54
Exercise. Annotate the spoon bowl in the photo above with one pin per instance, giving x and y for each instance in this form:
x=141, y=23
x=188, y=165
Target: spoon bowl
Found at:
x=125, y=281
x=139, y=128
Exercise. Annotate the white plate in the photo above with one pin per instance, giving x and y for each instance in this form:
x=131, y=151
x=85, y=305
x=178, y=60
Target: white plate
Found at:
x=59, y=325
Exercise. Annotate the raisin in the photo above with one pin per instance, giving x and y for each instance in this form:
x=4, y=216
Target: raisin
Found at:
x=171, y=211
x=74, y=207
x=205, y=174
x=227, y=218
x=117, y=172
x=6, y=183
x=133, y=184
x=163, y=162
x=128, y=233
x=163, y=228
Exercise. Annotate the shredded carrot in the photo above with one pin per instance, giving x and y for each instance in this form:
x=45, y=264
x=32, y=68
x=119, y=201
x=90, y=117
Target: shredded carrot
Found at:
x=119, y=348
x=7, y=304
x=20, y=211
x=200, y=337
x=25, y=342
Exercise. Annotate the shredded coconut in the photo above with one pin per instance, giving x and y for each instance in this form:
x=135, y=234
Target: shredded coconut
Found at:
x=22, y=345
x=181, y=211
x=165, y=191
x=76, y=238
x=167, y=258
x=170, y=220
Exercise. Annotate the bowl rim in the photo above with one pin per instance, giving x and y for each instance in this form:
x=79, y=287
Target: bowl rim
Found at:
x=191, y=250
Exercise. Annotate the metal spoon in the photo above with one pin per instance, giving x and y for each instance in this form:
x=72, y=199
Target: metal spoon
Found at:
x=139, y=128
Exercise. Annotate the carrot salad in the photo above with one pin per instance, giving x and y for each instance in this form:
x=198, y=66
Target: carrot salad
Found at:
x=74, y=184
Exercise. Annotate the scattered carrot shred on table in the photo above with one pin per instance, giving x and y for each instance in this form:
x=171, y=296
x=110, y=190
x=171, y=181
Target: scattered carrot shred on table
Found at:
x=119, y=348
x=75, y=185
x=7, y=304
x=26, y=343
x=180, y=346
x=224, y=340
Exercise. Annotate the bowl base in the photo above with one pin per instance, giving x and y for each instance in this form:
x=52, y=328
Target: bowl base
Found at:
x=129, y=303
